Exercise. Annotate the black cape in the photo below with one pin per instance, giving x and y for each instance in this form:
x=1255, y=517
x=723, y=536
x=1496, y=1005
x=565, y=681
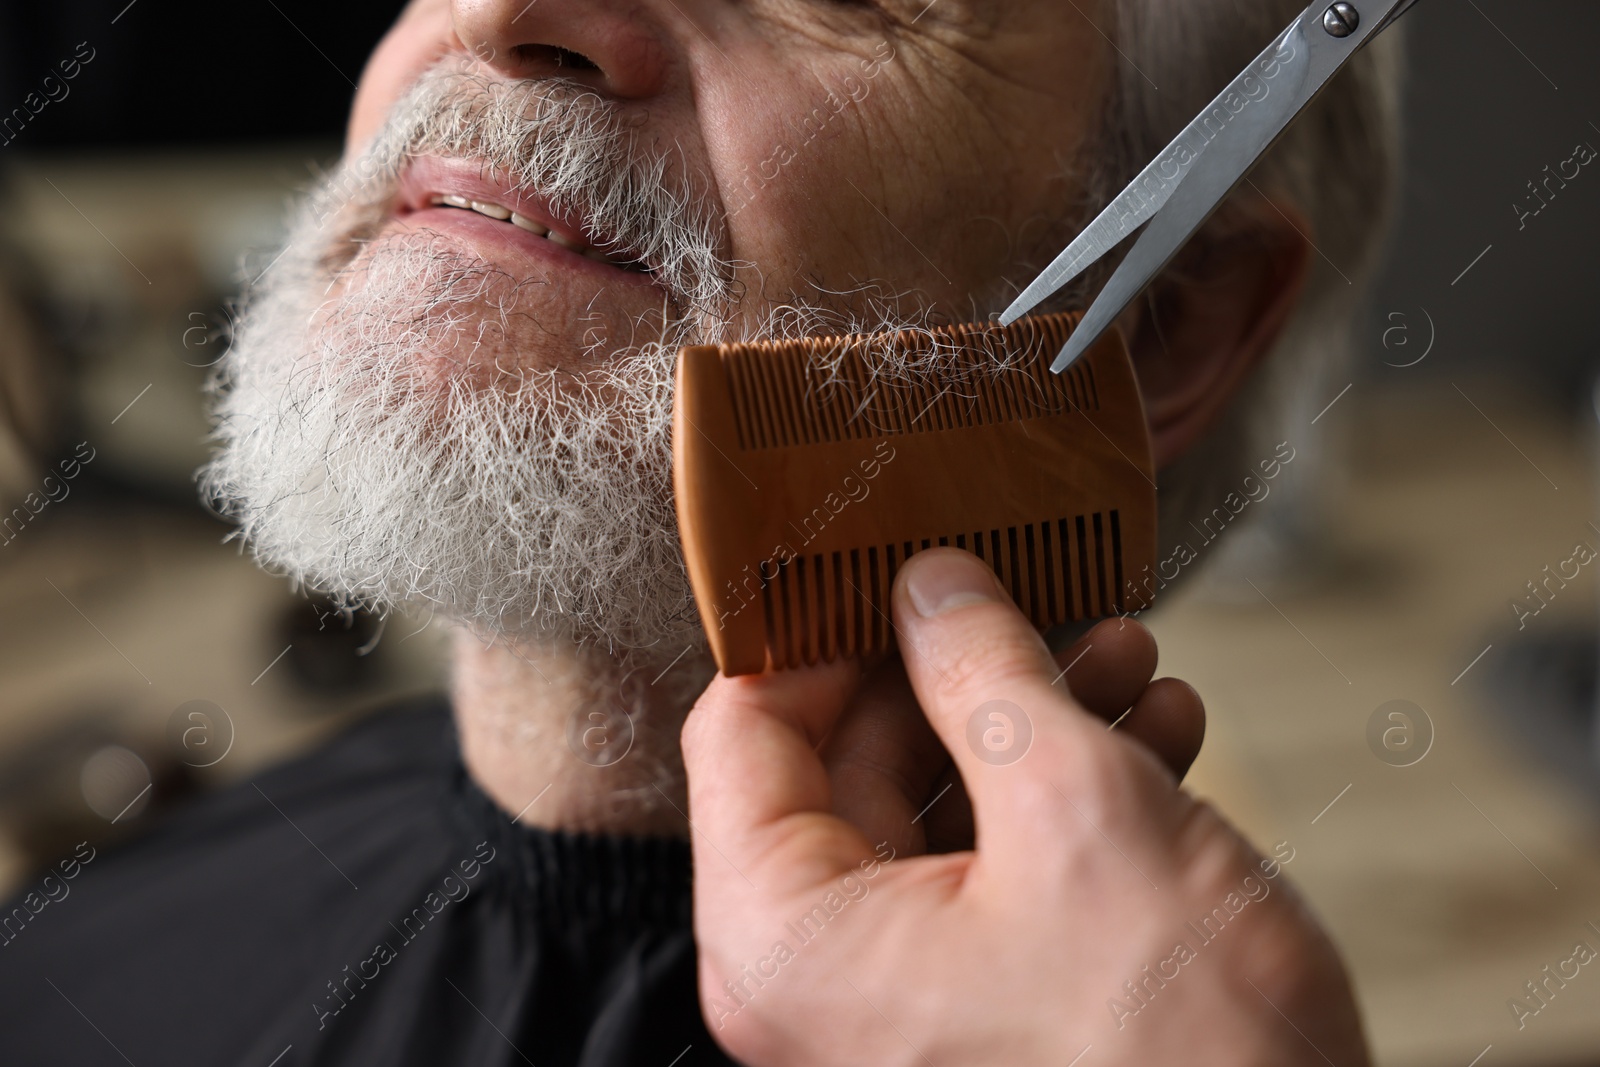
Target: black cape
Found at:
x=366, y=904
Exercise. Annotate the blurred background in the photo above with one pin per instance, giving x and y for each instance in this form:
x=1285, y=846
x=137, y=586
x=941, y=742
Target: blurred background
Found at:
x=1399, y=656
x=142, y=658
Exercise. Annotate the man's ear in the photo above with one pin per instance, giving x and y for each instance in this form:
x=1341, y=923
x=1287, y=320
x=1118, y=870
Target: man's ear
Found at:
x=1213, y=315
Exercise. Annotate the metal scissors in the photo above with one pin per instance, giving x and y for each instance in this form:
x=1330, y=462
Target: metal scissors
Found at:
x=1189, y=179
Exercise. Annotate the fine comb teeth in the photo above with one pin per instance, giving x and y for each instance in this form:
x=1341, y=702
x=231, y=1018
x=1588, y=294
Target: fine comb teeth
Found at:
x=804, y=479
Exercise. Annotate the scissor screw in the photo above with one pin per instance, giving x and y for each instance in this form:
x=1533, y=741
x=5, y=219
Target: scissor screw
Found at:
x=1341, y=20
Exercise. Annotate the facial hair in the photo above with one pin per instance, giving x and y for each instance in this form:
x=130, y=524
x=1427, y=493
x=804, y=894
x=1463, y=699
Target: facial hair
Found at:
x=375, y=444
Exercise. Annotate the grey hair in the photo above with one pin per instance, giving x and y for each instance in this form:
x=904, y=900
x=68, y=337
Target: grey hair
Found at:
x=1338, y=164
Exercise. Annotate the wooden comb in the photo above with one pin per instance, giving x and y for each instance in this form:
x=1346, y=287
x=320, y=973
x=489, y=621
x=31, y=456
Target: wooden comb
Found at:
x=805, y=476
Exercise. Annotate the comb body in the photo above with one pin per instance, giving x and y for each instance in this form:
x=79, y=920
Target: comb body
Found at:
x=804, y=481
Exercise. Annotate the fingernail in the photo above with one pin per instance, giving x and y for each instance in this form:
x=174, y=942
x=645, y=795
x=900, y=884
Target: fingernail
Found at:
x=947, y=582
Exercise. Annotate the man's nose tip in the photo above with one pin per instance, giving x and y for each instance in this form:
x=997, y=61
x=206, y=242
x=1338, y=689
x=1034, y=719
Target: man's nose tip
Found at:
x=594, y=42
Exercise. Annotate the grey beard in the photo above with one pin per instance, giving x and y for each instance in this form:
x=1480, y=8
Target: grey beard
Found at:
x=536, y=504
x=358, y=461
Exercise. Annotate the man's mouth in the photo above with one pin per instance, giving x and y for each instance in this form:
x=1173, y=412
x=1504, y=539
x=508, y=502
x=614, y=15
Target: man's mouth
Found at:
x=454, y=195
x=501, y=213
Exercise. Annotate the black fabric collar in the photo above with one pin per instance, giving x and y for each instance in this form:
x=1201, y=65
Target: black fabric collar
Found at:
x=566, y=877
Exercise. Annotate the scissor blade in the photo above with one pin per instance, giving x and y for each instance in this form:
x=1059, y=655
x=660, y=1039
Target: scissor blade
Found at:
x=1278, y=72
x=1239, y=146
x=1282, y=80
x=1191, y=204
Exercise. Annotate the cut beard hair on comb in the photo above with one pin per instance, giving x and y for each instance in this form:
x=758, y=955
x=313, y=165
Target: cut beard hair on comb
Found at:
x=807, y=472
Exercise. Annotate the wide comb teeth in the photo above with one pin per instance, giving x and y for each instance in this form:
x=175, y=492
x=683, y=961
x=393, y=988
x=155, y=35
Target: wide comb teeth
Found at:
x=807, y=472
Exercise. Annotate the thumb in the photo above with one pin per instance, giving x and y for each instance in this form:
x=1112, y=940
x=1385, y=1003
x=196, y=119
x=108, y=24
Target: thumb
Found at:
x=984, y=677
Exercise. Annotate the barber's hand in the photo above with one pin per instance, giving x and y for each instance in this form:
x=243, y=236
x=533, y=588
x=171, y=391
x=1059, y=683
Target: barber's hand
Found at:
x=1103, y=910
x=893, y=779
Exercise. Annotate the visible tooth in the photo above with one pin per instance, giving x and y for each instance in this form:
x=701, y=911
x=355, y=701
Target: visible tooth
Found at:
x=456, y=201
x=494, y=211
x=527, y=224
x=566, y=242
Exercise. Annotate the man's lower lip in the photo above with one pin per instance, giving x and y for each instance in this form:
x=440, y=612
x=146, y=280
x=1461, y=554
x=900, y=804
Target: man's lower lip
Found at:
x=493, y=236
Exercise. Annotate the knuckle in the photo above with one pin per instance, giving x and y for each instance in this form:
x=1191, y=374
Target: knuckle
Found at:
x=1103, y=773
x=1104, y=792
x=1209, y=848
